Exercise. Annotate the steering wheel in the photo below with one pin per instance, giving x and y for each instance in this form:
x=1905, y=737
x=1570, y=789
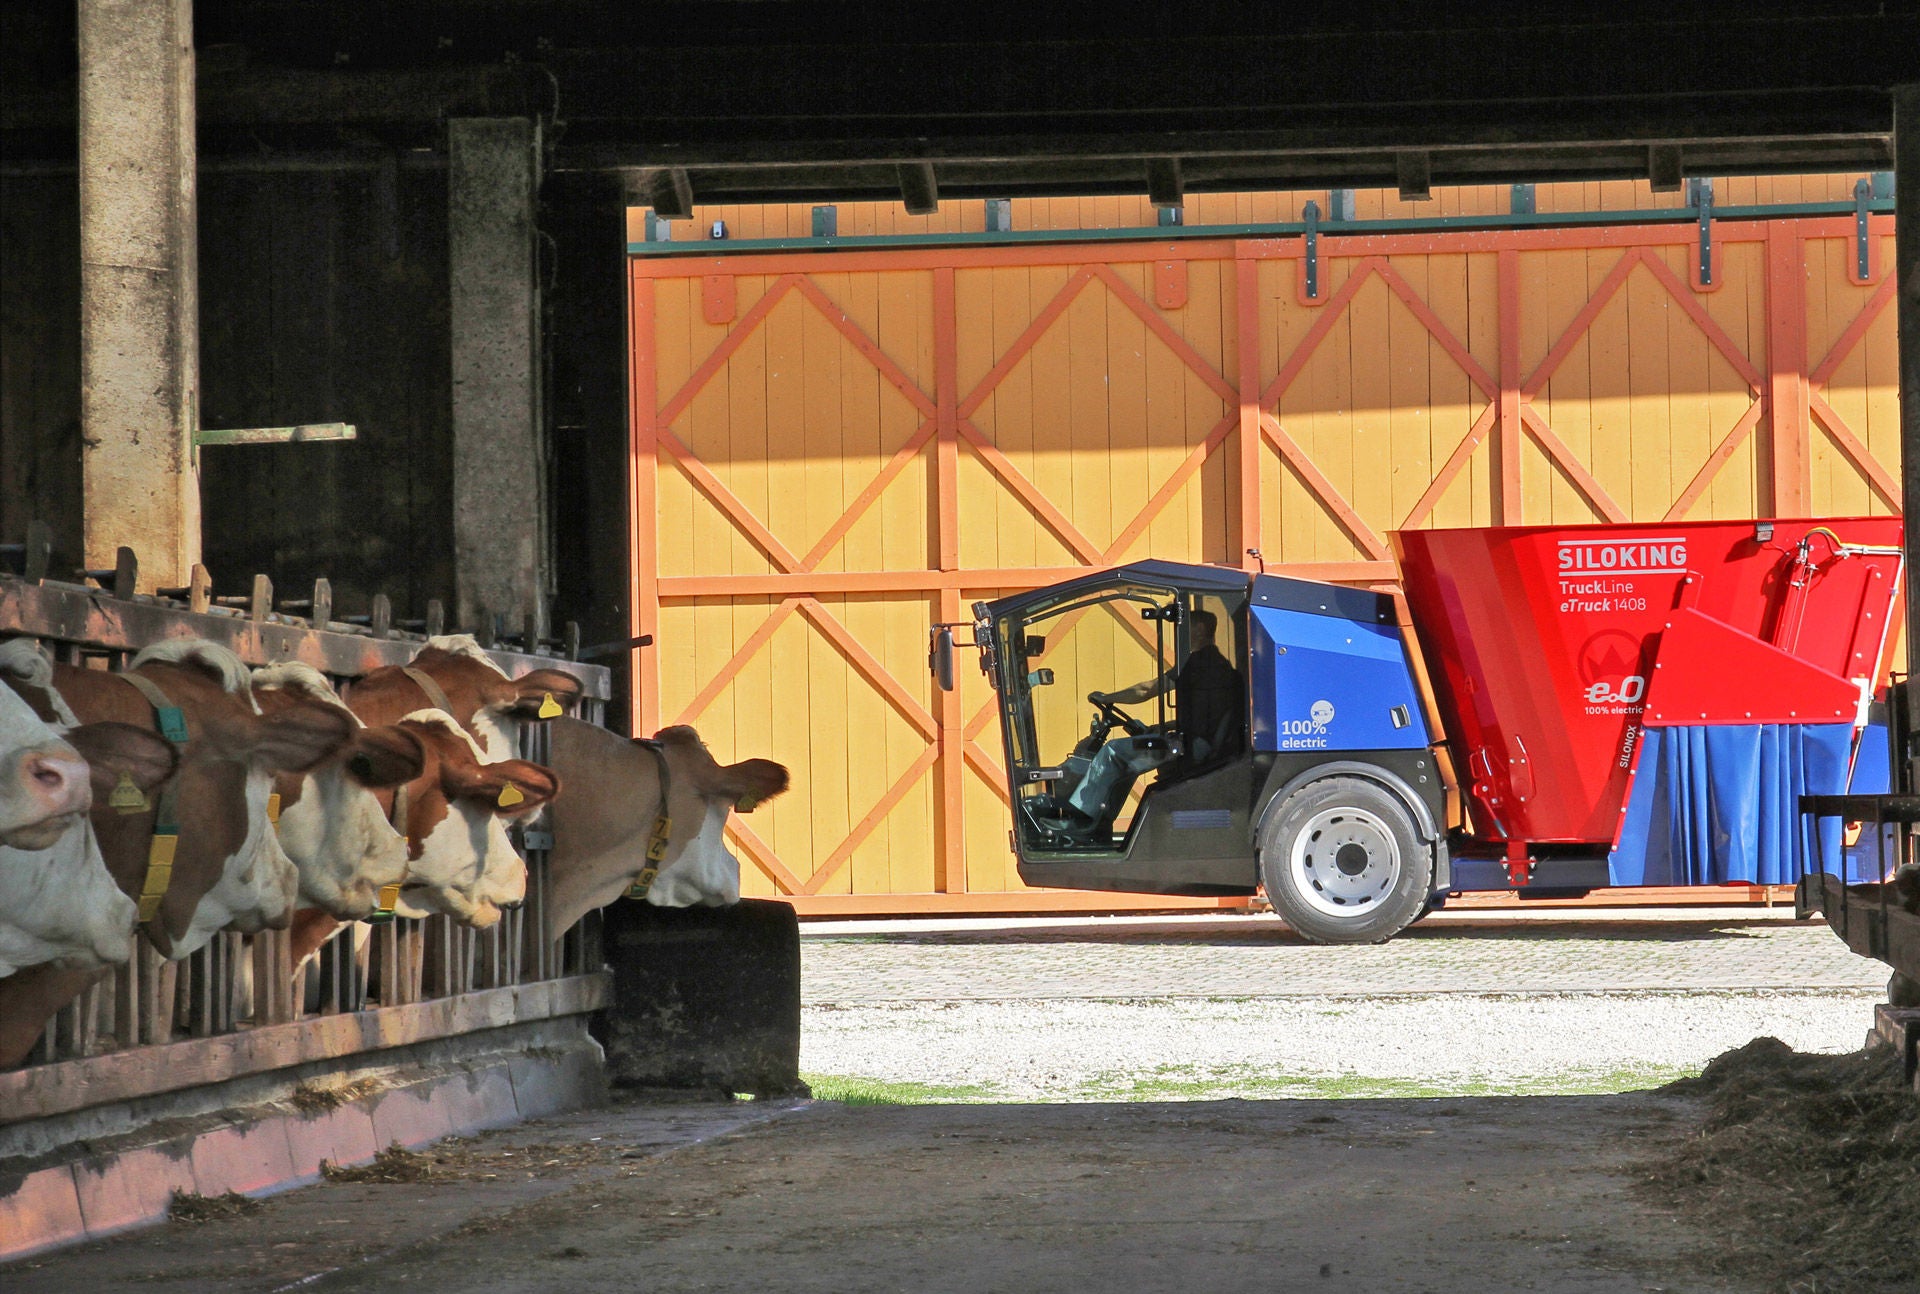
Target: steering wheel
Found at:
x=1113, y=714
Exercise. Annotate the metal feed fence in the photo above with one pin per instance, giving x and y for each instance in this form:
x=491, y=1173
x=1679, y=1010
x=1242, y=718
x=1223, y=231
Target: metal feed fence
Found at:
x=241, y=982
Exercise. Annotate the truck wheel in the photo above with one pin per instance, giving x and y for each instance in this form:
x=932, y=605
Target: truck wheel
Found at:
x=1343, y=863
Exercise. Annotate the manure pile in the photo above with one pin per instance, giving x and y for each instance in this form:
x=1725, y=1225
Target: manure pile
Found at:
x=1806, y=1171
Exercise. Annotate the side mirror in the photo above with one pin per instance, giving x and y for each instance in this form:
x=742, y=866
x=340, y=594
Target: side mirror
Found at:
x=940, y=660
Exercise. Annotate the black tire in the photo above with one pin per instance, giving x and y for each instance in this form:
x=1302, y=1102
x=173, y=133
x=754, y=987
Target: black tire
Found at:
x=1343, y=862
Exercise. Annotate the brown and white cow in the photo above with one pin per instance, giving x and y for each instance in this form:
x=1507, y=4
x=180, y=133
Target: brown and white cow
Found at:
x=474, y=690
x=601, y=830
x=333, y=824
x=460, y=861
x=58, y=903
x=44, y=784
x=229, y=871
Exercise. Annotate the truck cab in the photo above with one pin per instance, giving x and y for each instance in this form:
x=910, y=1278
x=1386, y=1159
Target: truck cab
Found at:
x=1195, y=730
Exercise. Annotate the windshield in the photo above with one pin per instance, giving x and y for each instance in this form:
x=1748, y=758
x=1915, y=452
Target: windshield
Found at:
x=1104, y=640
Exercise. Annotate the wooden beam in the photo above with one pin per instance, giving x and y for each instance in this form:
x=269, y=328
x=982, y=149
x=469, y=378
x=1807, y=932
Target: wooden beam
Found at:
x=312, y=431
x=1165, y=187
x=1787, y=386
x=670, y=193
x=1664, y=172
x=919, y=190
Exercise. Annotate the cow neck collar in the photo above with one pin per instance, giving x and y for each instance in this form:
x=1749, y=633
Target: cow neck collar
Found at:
x=171, y=720
x=436, y=695
x=662, y=823
x=389, y=899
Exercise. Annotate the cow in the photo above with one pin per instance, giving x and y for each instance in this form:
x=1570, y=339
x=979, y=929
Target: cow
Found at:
x=44, y=784
x=228, y=870
x=602, y=830
x=332, y=822
x=474, y=690
x=460, y=861
x=58, y=903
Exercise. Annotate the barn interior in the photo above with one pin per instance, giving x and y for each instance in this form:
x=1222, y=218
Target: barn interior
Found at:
x=276, y=218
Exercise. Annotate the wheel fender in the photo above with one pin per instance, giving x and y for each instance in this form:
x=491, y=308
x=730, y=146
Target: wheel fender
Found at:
x=1388, y=781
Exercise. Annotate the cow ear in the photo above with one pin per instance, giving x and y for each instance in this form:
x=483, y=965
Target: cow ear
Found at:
x=114, y=750
x=543, y=694
x=512, y=788
x=386, y=756
x=296, y=738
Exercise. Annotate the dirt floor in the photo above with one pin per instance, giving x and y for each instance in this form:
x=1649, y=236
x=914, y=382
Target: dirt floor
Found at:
x=1450, y=1196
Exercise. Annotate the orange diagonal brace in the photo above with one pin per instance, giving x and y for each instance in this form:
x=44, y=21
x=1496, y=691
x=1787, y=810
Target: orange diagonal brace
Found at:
x=1689, y=300
x=870, y=669
x=763, y=856
x=990, y=772
x=1158, y=325
x=1854, y=332
x=1164, y=495
x=1861, y=457
x=841, y=320
x=872, y=491
x=755, y=641
x=727, y=501
x=1322, y=489
x=1570, y=466
x=1715, y=461
x=1329, y=315
x=732, y=342
x=1025, y=341
x=1437, y=329
x=1037, y=503
x=1455, y=463
x=1581, y=322
x=833, y=862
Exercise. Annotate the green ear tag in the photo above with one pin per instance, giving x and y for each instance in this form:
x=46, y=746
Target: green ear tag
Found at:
x=126, y=797
x=173, y=724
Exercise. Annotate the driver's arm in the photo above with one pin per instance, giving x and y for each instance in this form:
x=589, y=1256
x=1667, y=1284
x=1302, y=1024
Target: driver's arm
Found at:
x=1139, y=691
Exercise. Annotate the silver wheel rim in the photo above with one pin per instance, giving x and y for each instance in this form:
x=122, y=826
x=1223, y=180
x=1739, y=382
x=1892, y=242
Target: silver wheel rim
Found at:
x=1345, y=862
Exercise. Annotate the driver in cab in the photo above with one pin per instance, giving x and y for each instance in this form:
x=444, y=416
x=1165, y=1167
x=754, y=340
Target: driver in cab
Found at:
x=1212, y=708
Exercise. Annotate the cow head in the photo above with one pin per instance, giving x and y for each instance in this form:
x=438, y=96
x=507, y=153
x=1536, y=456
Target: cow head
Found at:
x=44, y=784
x=333, y=824
x=461, y=861
x=59, y=905
x=601, y=831
x=479, y=696
x=699, y=868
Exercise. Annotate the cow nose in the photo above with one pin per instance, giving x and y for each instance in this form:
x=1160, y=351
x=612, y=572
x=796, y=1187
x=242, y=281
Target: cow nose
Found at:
x=60, y=781
x=514, y=906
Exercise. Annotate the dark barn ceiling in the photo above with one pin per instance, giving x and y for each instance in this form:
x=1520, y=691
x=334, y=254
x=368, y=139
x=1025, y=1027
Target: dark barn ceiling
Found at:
x=728, y=100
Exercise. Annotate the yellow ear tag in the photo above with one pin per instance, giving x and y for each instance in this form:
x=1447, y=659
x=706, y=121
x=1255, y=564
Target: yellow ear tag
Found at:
x=509, y=796
x=273, y=808
x=549, y=708
x=126, y=797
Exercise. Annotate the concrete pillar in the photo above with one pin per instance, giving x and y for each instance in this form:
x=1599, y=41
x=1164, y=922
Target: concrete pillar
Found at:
x=1906, y=270
x=139, y=294
x=500, y=543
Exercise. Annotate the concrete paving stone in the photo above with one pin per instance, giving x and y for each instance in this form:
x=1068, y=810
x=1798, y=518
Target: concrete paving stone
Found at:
x=242, y=1157
x=37, y=1211
x=134, y=1187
